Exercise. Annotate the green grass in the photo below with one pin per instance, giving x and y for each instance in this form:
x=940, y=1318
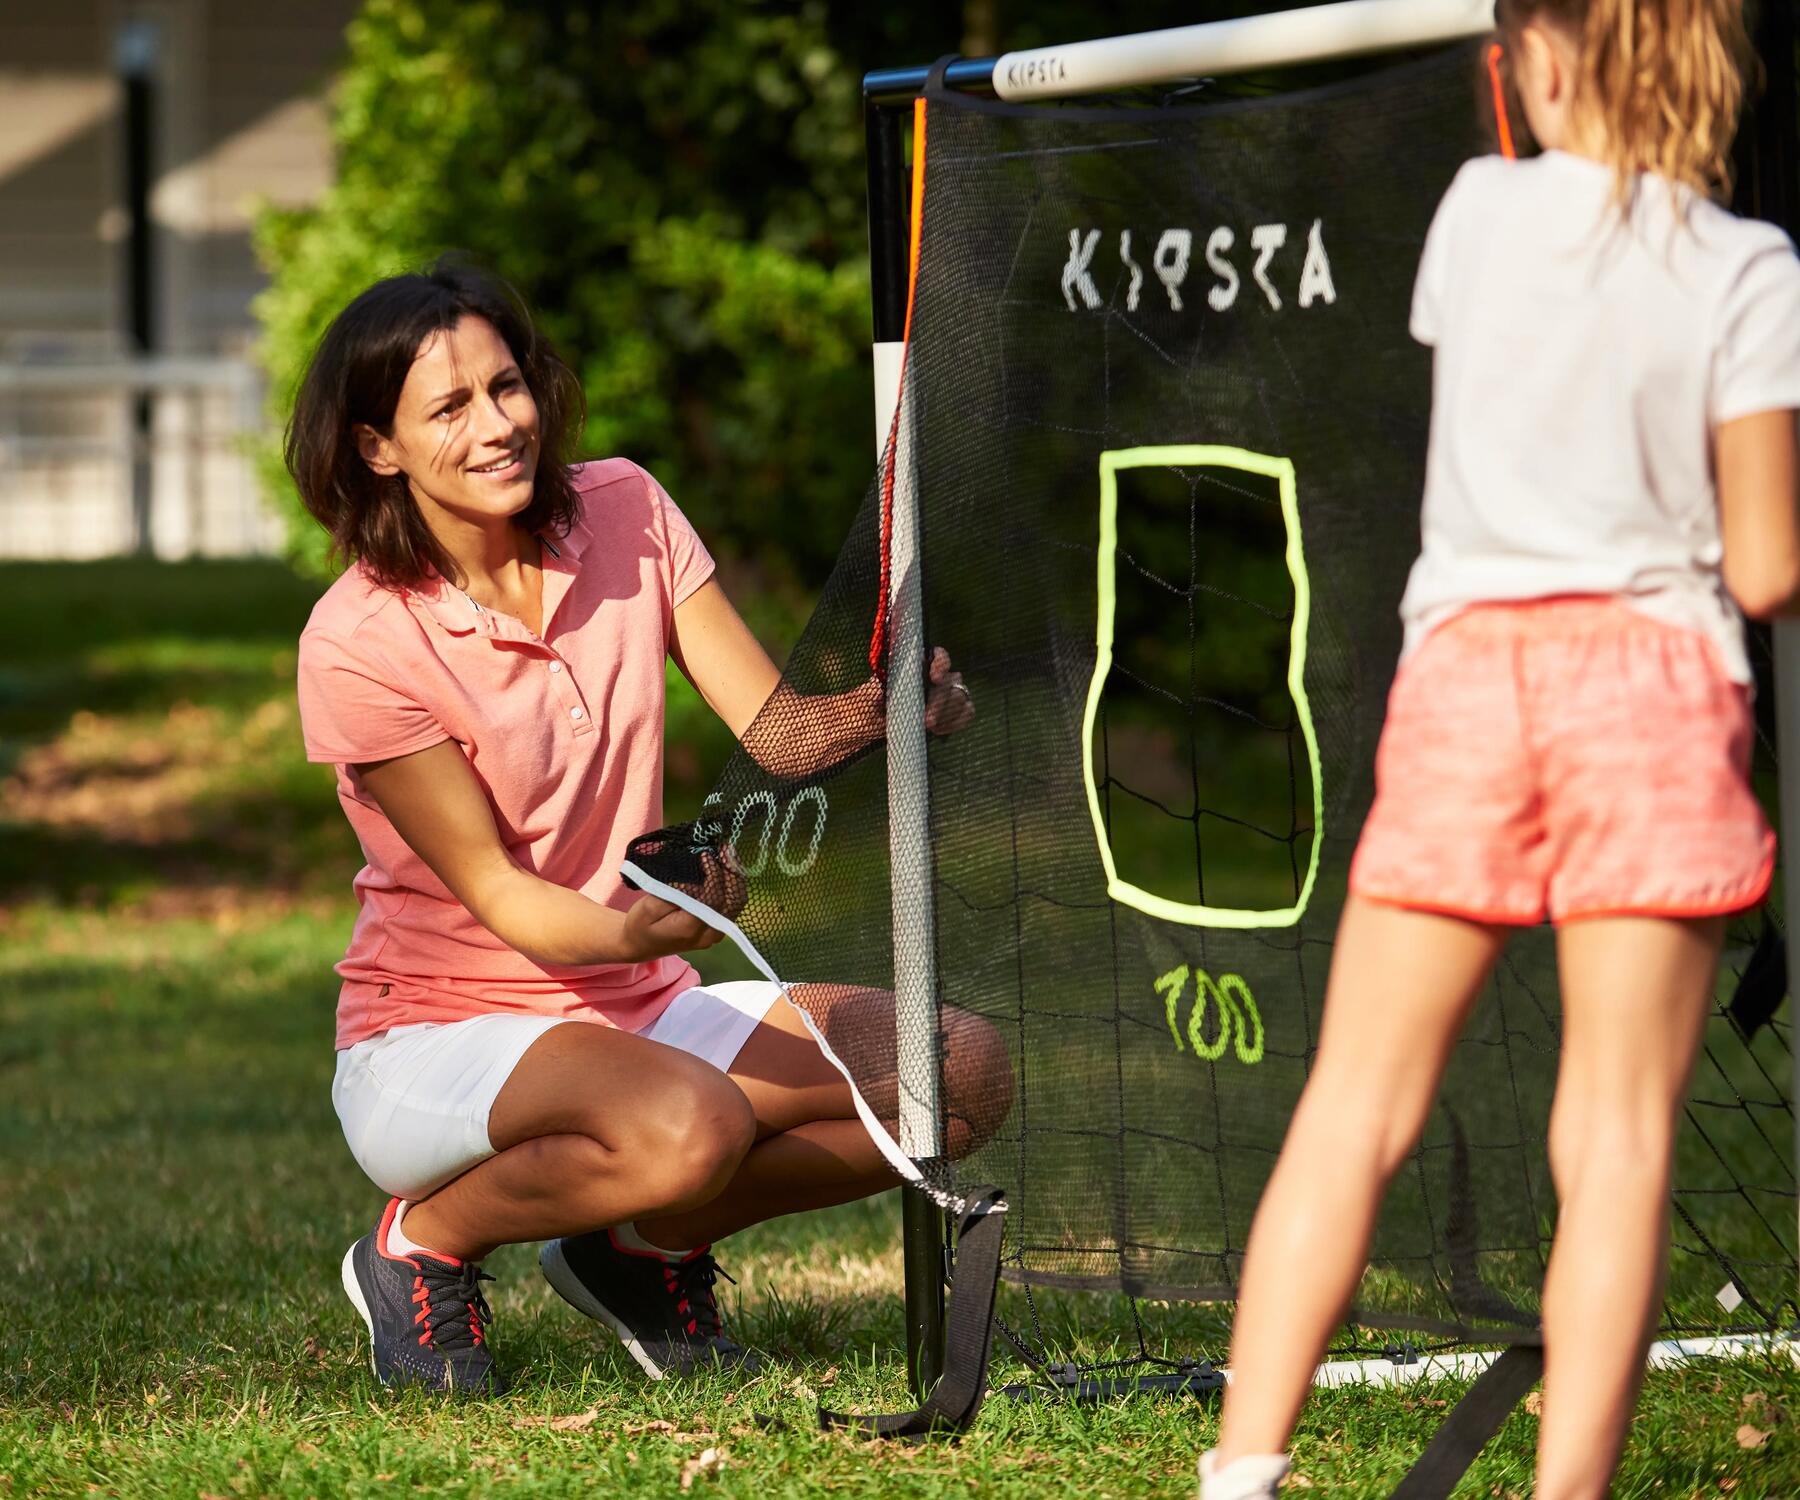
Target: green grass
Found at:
x=173, y=891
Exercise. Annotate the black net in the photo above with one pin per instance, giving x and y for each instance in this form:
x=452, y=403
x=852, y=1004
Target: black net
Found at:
x=1165, y=434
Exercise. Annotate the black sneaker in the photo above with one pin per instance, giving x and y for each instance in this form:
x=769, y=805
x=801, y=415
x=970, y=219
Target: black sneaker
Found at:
x=427, y=1317
x=663, y=1310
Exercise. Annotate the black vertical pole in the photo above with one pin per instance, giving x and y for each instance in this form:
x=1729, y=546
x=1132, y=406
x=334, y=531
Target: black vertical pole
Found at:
x=922, y=1226
x=137, y=63
x=1768, y=187
x=1768, y=150
x=889, y=220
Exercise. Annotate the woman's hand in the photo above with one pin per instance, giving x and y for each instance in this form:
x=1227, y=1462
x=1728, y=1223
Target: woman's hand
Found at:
x=949, y=705
x=655, y=928
x=435, y=803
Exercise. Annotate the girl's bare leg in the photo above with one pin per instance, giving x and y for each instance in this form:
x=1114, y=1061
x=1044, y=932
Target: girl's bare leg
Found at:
x=1402, y=983
x=1636, y=994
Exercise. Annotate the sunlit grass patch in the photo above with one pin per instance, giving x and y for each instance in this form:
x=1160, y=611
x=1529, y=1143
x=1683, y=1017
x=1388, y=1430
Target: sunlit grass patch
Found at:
x=177, y=1194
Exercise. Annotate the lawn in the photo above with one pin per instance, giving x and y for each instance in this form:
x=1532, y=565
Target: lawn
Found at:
x=173, y=890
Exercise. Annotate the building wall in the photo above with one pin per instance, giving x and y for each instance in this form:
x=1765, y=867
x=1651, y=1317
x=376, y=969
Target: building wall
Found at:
x=239, y=116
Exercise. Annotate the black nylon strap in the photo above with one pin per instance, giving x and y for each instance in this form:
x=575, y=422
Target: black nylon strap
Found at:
x=934, y=80
x=1475, y=1419
x=968, y=1335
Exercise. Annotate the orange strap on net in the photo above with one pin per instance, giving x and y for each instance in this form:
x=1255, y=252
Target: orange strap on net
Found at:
x=1495, y=53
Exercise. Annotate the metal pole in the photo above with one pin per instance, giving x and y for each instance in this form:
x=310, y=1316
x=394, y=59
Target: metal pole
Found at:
x=135, y=55
x=1350, y=28
x=915, y=978
x=1768, y=162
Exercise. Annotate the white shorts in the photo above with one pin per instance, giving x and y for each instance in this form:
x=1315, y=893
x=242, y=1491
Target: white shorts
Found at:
x=414, y=1101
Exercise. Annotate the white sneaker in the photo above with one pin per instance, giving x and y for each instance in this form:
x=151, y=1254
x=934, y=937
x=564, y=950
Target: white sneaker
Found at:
x=1256, y=1476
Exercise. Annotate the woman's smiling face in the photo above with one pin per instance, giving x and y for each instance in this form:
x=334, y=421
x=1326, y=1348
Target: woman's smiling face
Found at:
x=465, y=429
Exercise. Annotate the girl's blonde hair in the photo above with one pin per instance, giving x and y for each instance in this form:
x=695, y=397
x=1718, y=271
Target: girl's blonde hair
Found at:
x=1663, y=78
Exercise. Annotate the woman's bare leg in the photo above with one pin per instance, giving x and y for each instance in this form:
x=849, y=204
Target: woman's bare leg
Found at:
x=1402, y=983
x=1636, y=994
x=597, y=1127
x=812, y=1150
x=594, y=1126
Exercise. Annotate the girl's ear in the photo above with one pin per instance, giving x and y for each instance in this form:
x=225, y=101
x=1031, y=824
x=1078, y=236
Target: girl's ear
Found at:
x=1540, y=62
x=1554, y=55
x=377, y=452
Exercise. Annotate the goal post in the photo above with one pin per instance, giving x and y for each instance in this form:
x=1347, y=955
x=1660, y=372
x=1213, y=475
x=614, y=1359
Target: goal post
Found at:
x=1283, y=38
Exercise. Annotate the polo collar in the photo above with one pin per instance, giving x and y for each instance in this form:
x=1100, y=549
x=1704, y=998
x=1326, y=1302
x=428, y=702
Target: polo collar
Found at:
x=451, y=608
x=561, y=561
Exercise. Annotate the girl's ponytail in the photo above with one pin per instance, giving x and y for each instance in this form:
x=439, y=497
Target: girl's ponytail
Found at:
x=1664, y=78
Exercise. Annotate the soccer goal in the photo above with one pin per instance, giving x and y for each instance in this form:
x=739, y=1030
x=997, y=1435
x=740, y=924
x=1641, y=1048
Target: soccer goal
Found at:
x=1151, y=440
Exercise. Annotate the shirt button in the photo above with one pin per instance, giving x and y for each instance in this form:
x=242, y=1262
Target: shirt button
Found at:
x=556, y=666
x=574, y=713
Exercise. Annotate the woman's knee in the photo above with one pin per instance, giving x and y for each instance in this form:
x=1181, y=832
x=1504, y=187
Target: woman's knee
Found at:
x=695, y=1142
x=978, y=1081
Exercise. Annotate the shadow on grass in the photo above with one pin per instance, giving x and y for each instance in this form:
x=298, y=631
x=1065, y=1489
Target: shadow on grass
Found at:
x=52, y=611
x=258, y=845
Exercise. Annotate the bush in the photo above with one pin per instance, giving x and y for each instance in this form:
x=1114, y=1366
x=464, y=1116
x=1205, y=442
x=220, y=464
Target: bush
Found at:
x=676, y=189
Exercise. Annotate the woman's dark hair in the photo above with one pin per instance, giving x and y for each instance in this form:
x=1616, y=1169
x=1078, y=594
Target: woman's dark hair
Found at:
x=355, y=378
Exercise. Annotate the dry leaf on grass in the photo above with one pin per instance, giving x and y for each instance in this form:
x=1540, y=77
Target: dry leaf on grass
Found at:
x=1299, y=1482
x=829, y=1376
x=1534, y=1404
x=1751, y=1437
x=1726, y=1486
x=578, y=1421
x=669, y=1430
x=703, y=1465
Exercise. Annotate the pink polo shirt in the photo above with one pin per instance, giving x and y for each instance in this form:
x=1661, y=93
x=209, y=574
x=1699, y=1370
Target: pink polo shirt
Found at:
x=564, y=732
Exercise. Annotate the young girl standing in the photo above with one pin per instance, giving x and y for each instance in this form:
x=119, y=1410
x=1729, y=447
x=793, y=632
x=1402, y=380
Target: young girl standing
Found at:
x=1612, y=478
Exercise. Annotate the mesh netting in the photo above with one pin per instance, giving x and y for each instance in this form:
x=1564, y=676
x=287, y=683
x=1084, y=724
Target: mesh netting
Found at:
x=1165, y=433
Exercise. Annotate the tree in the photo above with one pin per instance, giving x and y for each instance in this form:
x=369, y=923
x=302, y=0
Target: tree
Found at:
x=677, y=190
x=677, y=187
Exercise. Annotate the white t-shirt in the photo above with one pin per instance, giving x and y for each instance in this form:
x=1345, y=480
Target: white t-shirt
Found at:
x=1582, y=363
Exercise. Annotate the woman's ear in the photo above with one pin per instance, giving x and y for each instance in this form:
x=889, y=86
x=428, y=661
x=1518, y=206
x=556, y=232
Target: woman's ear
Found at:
x=377, y=452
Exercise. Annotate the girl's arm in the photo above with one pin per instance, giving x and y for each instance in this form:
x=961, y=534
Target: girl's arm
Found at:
x=1757, y=459
x=435, y=803
x=729, y=668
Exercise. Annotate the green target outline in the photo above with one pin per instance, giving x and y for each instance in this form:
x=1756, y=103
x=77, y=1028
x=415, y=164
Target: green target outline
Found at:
x=1191, y=456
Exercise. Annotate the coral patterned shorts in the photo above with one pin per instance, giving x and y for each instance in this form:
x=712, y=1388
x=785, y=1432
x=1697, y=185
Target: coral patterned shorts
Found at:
x=1565, y=757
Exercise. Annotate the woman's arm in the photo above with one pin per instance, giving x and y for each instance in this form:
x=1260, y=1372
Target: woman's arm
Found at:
x=729, y=668
x=435, y=803
x=1757, y=459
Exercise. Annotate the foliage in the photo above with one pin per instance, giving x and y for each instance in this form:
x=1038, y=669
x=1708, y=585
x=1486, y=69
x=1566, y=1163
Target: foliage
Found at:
x=677, y=186
x=673, y=186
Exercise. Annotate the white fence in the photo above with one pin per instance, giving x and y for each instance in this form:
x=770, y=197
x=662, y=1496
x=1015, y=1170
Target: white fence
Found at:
x=81, y=476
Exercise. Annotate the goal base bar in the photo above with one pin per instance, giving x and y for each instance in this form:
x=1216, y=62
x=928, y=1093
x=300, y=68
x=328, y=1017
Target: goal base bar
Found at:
x=1665, y=1354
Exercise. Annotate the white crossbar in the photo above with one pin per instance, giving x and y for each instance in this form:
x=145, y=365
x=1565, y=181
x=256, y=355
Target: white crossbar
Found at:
x=1350, y=28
